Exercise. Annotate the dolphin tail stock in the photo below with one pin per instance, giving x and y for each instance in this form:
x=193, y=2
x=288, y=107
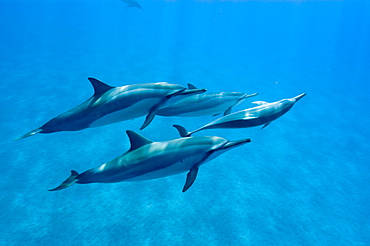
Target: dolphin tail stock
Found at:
x=68, y=182
x=29, y=134
x=182, y=131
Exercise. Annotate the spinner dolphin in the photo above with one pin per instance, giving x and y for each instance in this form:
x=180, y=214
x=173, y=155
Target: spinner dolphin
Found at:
x=205, y=104
x=263, y=114
x=150, y=160
x=133, y=3
x=114, y=104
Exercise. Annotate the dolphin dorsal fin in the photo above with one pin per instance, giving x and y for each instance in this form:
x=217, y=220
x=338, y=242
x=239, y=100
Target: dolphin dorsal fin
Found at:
x=99, y=87
x=191, y=86
x=136, y=140
x=260, y=102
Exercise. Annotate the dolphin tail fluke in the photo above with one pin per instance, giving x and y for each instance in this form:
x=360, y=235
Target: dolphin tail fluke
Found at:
x=68, y=182
x=182, y=131
x=29, y=134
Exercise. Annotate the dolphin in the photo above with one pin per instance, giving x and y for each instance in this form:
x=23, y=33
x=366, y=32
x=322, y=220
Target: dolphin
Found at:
x=263, y=114
x=205, y=104
x=133, y=3
x=114, y=104
x=151, y=160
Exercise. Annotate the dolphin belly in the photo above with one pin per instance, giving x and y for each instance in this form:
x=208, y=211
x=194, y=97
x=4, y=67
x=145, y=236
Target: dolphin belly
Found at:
x=248, y=122
x=204, y=112
x=237, y=124
x=136, y=110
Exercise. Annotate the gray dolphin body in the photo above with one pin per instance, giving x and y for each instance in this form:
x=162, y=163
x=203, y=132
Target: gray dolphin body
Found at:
x=205, y=104
x=150, y=160
x=133, y=3
x=114, y=104
x=263, y=114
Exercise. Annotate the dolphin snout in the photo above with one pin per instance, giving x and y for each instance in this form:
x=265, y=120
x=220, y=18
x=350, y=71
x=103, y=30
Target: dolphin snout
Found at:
x=193, y=91
x=236, y=143
x=299, y=96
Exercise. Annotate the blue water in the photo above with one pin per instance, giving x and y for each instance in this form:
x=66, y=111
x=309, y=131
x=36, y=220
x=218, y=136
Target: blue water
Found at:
x=304, y=179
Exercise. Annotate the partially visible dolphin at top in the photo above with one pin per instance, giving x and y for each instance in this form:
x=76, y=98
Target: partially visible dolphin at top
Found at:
x=151, y=160
x=263, y=114
x=114, y=104
x=133, y=3
x=205, y=104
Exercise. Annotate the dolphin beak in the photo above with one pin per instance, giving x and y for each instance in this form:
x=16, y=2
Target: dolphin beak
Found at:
x=299, y=96
x=193, y=91
x=250, y=95
x=232, y=144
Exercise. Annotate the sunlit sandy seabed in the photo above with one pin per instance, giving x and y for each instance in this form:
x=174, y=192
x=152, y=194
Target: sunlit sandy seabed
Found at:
x=303, y=180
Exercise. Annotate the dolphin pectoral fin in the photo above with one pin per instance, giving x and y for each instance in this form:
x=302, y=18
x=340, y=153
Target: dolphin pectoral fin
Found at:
x=149, y=118
x=68, y=182
x=153, y=111
x=228, y=111
x=190, y=178
x=182, y=131
x=266, y=125
x=29, y=134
